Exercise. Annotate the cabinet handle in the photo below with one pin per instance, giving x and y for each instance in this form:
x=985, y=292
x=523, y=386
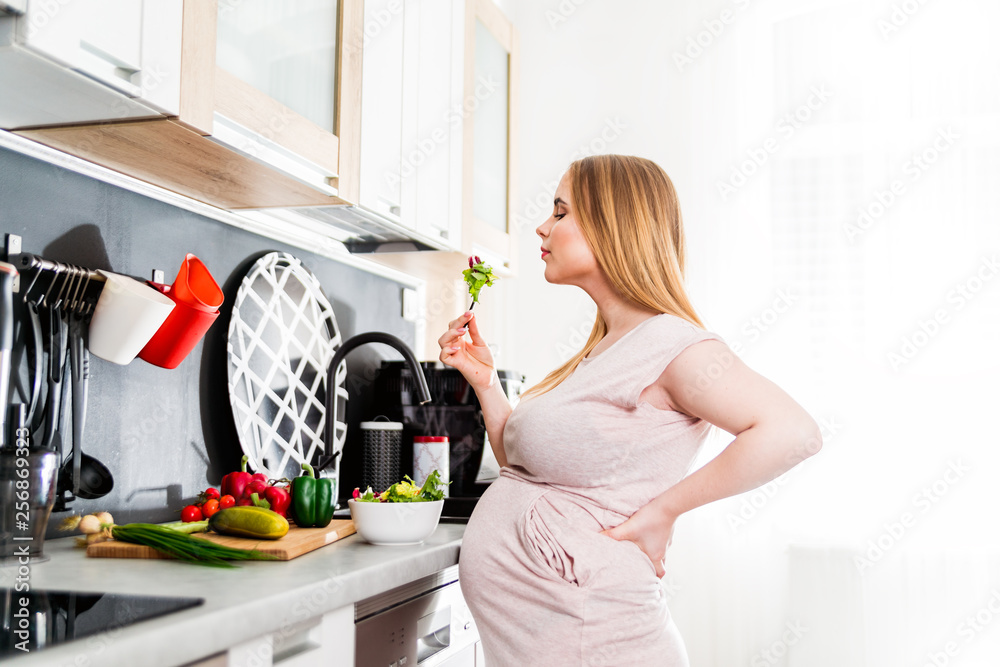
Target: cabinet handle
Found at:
x=385, y=205
x=302, y=656
x=261, y=149
x=107, y=68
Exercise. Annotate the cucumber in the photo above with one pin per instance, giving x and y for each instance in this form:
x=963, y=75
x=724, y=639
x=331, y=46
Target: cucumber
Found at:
x=249, y=521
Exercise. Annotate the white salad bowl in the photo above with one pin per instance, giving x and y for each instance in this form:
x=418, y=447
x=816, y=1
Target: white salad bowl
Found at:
x=395, y=523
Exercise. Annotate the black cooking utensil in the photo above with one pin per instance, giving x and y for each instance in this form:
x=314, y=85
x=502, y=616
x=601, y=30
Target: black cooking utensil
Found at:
x=36, y=371
x=7, y=275
x=80, y=369
x=57, y=366
x=96, y=481
x=85, y=476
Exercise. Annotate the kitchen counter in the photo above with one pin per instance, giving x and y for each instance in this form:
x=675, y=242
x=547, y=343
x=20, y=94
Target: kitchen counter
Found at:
x=241, y=604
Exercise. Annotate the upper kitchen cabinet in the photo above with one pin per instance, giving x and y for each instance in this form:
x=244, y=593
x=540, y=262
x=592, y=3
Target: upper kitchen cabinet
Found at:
x=266, y=91
x=77, y=61
x=276, y=85
x=489, y=134
x=437, y=135
x=411, y=151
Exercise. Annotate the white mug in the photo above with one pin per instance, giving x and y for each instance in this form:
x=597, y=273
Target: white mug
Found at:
x=127, y=315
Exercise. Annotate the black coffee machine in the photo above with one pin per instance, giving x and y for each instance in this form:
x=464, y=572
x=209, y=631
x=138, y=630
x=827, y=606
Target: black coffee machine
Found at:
x=454, y=412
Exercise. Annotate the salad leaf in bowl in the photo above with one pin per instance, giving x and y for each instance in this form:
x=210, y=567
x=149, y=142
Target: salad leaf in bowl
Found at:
x=402, y=514
x=406, y=491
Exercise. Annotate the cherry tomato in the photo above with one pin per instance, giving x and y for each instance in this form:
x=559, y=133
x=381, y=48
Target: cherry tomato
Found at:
x=209, y=508
x=191, y=513
x=226, y=501
x=210, y=494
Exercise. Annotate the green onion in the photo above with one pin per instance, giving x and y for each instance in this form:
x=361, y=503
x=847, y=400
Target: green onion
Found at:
x=184, y=547
x=187, y=526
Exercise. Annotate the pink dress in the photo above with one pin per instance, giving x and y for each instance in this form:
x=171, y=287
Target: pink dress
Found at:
x=544, y=586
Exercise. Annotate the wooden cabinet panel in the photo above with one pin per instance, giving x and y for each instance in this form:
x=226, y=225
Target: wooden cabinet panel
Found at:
x=275, y=122
x=169, y=155
x=348, y=123
x=198, y=65
x=217, y=660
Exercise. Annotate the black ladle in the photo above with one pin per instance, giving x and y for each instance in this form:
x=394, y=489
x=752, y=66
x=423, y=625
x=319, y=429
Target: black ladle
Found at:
x=96, y=480
x=87, y=477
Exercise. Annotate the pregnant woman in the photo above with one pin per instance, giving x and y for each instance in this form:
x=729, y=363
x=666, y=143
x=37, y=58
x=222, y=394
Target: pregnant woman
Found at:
x=562, y=558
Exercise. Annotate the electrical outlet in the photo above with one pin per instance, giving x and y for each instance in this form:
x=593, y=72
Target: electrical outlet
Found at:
x=410, y=310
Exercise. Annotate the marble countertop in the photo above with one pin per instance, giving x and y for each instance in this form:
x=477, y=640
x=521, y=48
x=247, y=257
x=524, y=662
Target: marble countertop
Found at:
x=241, y=604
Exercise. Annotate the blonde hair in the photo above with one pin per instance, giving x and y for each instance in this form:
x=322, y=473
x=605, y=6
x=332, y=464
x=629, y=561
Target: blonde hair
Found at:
x=629, y=214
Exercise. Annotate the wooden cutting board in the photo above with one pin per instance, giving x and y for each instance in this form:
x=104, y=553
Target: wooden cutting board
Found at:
x=297, y=542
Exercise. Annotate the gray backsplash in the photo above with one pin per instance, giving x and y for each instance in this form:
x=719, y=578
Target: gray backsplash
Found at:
x=167, y=434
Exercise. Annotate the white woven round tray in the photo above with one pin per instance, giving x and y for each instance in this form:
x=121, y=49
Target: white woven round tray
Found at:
x=282, y=336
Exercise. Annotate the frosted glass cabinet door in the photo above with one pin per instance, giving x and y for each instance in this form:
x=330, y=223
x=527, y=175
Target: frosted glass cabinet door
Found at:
x=490, y=126
x=382, y=106
x=287, y=50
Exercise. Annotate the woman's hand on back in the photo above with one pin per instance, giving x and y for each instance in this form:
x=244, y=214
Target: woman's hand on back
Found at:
x=651, y=530
x=472, y=359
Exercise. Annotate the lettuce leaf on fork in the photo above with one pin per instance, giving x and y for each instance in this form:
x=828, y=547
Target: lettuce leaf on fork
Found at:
x=478, y=276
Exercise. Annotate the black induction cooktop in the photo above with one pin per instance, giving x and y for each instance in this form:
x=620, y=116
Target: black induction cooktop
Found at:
x=38, y=619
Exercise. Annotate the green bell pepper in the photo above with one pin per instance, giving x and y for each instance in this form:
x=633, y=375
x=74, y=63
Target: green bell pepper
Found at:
x=312, y=499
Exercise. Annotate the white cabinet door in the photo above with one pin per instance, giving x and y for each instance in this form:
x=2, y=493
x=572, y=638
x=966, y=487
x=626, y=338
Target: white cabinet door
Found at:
x=258, y=652
x=436, y=152
x=134, y=47
x=100, y=38
x=320, y=640
x=160, y=78
x=411, y=122
x=382, y=108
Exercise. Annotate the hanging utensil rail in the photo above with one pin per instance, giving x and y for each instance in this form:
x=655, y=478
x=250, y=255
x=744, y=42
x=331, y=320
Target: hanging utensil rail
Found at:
x=68, y=282
x=72, y=289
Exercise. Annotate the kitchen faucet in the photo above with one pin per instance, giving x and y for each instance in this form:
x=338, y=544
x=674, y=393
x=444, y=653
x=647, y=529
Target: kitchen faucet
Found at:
x=331, y=387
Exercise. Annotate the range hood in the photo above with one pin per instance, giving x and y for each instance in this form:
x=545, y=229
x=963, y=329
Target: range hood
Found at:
x=359, y=229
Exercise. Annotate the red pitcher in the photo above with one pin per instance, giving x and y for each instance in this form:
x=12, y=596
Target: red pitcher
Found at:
x=198, y=298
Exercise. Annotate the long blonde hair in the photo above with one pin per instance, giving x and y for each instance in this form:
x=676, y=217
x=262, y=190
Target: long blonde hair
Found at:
x=629, y=214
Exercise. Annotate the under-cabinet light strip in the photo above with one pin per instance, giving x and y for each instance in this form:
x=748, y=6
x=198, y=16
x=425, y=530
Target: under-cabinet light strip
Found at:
x=263, y=225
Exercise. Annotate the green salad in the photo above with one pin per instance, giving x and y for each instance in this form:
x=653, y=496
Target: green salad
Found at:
x=478, y=276
x=406, y=491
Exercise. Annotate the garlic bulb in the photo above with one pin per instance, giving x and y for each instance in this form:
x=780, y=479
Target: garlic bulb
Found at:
x=89, y=525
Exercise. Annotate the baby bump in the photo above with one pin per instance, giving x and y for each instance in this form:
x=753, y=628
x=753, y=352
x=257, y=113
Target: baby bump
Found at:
x=492, y=562
x=566, y=540
x=521, y=528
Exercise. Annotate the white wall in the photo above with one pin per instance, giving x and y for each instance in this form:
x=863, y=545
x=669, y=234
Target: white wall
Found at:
x=591, y=82
x=895, y=75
